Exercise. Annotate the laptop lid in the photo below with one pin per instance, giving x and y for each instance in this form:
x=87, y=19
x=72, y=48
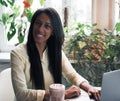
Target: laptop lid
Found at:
x=110, y=90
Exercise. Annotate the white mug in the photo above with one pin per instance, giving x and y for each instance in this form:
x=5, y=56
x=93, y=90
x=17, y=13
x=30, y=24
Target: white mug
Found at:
x=57, y=92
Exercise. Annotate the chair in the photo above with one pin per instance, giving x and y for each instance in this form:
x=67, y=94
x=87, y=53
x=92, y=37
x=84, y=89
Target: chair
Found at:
x=6, y=89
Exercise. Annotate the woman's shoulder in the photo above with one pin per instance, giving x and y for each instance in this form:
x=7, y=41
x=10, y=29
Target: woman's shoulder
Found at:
x=20, y=49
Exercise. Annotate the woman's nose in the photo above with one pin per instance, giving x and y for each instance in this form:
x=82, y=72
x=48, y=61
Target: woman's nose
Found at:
x=41, y=27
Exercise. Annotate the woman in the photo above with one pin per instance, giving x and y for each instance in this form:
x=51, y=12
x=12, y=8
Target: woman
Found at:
x=41, y=61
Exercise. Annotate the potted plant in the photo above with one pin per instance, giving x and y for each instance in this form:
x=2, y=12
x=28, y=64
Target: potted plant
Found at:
x=94, y=51
x=16, y=20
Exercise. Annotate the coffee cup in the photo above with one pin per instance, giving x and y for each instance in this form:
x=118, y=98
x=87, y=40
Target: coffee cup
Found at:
x=57, y=92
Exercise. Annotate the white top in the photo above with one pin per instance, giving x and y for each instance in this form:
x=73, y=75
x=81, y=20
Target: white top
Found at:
x=20, y=71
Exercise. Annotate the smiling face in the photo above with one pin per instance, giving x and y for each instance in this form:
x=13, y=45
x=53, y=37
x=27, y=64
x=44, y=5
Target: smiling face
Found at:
x=42, y=28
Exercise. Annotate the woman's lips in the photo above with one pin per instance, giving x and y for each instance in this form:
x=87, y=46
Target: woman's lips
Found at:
x=40, y=35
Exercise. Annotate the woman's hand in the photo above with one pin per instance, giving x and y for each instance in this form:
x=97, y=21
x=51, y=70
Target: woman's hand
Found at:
x=47, y=96
x=94, y=93
x=72, y=92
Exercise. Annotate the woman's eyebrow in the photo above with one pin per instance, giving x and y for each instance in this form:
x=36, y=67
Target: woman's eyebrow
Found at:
x=41, y=21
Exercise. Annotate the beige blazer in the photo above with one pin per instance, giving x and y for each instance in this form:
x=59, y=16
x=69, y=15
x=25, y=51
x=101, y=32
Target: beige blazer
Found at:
x=20, y=67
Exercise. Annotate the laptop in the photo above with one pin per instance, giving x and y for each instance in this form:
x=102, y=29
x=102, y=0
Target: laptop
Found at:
x=110, y=90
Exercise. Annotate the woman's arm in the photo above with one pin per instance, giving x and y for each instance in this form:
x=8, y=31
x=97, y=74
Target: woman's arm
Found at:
x=71, y=75
x=20, y=76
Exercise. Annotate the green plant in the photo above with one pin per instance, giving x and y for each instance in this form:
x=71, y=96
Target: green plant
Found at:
x=112, y=41
x=7, y=3
x=83, y=44
x=95, y=50
x=14, y=21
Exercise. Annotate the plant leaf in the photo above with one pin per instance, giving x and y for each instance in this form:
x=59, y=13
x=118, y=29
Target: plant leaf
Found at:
x=11, y=2
x=118, y=27
x=21, y=38
x=11, y=32
x=94, y=24
x=41, y=2
x=4, y=18
x=3, y=3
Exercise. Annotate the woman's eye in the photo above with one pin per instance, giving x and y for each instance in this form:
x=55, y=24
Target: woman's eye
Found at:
x=47, y=26
x=38, y=23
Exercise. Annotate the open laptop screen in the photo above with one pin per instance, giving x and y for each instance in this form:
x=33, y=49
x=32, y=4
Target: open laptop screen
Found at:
x=110, y=90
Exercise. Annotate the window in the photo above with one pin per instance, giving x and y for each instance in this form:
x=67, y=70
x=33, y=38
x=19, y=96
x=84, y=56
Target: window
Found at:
x=78, y=11
x=117, y=10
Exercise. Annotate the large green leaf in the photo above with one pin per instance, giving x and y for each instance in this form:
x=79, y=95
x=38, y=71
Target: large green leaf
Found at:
x=12, y=31
x=21, y=38
x=21, y=33
x=6, y=3
x=3, y=3
x=29, y=14
x=11, y=2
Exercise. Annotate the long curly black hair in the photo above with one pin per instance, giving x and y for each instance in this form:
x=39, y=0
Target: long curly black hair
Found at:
x=54, y=45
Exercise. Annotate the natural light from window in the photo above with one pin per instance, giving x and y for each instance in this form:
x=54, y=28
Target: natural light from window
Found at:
x=78, y=11
x=117, y=10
